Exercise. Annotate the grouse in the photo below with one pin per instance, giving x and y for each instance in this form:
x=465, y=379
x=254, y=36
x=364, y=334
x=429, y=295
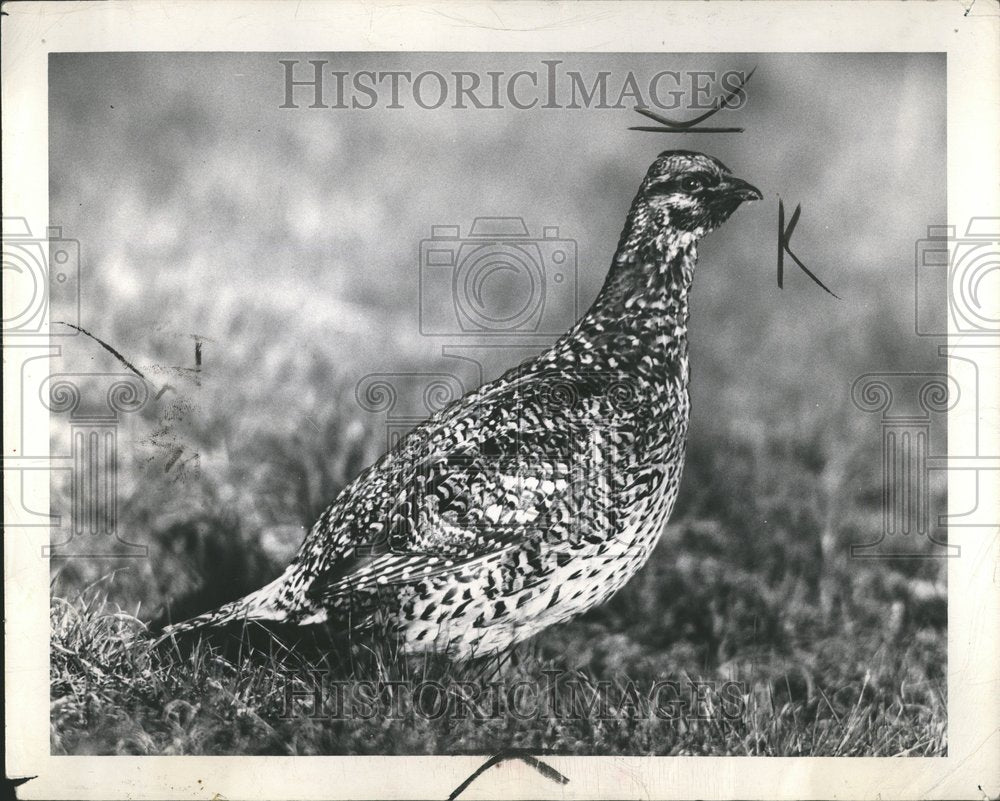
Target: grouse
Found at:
x=536, y=497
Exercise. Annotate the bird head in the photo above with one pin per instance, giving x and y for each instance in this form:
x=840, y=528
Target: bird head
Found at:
x=692, y=193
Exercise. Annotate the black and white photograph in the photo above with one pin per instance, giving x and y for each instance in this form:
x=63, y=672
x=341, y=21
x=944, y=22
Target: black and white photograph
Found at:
x=503, y=407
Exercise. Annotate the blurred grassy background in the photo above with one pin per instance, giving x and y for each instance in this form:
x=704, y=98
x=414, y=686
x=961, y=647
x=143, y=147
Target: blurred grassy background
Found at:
x=287, y=242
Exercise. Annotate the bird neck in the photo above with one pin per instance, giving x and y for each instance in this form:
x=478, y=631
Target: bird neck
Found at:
x=640, y=317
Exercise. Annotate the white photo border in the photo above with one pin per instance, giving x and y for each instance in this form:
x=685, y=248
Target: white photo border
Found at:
x=969, y=35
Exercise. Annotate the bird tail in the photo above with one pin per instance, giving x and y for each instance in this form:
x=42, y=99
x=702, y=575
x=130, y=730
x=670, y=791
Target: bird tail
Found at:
x=259, y=605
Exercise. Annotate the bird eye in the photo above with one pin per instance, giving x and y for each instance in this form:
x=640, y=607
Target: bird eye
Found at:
x=692, y=183
x=683, y=184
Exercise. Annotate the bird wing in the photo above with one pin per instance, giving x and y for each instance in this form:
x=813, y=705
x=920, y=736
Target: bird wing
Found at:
x=522, y=464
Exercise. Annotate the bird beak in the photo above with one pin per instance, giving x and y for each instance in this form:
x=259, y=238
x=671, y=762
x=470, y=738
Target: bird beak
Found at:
x=741, y=189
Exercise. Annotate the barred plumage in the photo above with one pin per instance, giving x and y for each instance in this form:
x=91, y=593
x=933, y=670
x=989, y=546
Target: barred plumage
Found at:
x=539, y=495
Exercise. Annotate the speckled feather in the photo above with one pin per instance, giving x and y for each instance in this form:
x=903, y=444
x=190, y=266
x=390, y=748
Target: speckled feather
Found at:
x=538, y=496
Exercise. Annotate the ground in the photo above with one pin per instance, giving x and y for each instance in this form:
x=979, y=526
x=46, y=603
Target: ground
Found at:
x=751, y=594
